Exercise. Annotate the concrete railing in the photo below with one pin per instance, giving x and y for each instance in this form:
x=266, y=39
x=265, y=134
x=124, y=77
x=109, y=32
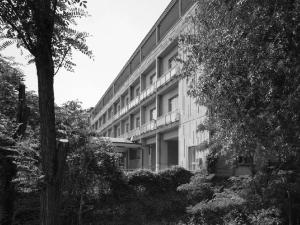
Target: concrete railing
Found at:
x=148, y=126
x=163, y=80
x=168, y=118
x=149, y=91
x=135, y=132
x=168, y=76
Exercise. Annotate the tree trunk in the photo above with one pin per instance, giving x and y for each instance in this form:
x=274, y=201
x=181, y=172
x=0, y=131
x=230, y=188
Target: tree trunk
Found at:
x=50, y=194
x=7, y=191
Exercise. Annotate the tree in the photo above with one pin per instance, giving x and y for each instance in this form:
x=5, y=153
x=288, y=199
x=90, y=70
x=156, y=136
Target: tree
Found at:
x=246, y=56
x=44, y=28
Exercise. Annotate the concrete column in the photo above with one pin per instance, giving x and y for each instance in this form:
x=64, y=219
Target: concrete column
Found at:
x=142, y=119
x=157, y=102
x=144, y=154
x=129, y=93
x=158, y=152
x=141, y=55
x=180, y=8
x=157, y=34
x=157, y=67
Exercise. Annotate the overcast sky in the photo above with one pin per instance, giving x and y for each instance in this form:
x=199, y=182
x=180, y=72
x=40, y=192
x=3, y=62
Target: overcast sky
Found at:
x=117, y=28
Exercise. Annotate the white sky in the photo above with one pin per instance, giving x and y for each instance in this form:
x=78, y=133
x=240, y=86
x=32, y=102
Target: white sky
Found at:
x=117, y=28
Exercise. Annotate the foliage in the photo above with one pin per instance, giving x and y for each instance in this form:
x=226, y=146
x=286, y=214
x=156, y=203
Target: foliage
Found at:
x=198, y=189
x=19, y=26
x=243, y=58
x=91, y=175
x=148, y=182
x=270, y=197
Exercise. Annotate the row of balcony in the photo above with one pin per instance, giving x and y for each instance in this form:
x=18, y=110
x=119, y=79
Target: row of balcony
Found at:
x=163, y=80
x=161, y=121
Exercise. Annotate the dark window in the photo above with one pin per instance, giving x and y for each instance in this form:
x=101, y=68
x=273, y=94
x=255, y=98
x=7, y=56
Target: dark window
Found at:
x=173, y=104
x=137, y=92
x=134, y=154
x=137, y=122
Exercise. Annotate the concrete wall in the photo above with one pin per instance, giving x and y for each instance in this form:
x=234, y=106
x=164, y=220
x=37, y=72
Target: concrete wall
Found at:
x=192, y=115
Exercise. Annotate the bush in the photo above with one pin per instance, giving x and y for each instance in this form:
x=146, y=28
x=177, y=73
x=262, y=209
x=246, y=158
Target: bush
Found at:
x=174, y=177
x=148, y=182
x=270, y=216
x=198, y=189
x=144, y=181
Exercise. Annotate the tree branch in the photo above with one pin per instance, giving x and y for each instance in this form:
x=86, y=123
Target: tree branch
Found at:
x=27, y=45
x=25, y=31
x=62, y=60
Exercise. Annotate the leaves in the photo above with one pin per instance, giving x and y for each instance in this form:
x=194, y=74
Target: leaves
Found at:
x=19, y=27
x=243, y=57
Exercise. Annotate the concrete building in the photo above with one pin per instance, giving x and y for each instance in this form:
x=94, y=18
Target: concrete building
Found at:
x=147, y=103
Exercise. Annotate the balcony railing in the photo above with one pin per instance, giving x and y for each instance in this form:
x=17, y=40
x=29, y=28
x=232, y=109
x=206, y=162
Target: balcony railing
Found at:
x=149, y=91
x=135, y=132
x=148, y=126
x=168, y=118
x=164, y=79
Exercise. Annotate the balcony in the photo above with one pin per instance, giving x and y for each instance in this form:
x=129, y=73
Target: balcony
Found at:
x=168, y=118
x=168, y=76
x=149, y=91
x=163, y=80
x=148, y=126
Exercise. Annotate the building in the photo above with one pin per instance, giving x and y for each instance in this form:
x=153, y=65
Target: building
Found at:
x=148, y=104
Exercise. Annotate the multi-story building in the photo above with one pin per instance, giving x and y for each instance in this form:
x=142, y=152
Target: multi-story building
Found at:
x=148, y=103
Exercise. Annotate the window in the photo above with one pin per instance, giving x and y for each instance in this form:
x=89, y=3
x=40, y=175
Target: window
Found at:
x=137, y=91
x=127, y=100
x=173, y=103
x=118, y=131
x=153, y=114
x=172, y=61
x=127, y=127
x=134, y=154
x=152, y=79
x=119, y=108
x=137, y=122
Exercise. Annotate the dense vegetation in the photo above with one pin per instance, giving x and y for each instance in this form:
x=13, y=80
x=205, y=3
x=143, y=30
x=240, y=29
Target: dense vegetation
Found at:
x=243, y=60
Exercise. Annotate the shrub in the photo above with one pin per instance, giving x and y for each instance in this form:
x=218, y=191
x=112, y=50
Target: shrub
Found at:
x=198, y=189
x=144, y=181
x=270, y=216
x=174, y=177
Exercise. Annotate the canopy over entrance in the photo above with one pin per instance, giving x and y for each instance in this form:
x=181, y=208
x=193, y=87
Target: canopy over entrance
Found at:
x=122, y=144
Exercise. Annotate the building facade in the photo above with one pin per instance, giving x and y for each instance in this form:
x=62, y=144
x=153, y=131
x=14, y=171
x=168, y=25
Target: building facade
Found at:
x=148, y=103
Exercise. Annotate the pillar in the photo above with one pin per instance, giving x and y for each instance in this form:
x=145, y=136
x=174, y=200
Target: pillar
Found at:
x=158, y=151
